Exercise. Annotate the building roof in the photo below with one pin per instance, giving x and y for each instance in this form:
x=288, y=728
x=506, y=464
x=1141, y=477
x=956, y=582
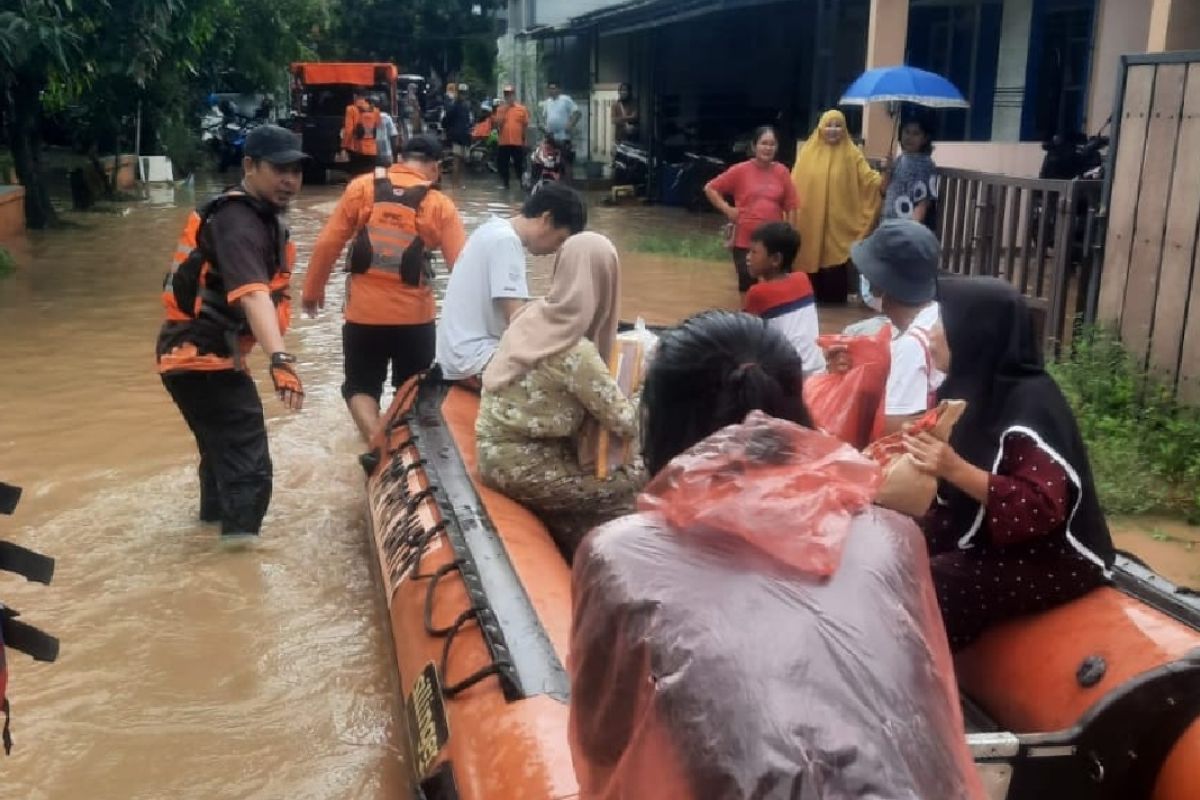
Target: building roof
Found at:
x=638, y=15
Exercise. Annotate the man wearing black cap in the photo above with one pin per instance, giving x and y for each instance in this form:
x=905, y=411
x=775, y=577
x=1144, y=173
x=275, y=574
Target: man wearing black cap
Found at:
x=226, y=291
x=900, y=262
x=396, y=218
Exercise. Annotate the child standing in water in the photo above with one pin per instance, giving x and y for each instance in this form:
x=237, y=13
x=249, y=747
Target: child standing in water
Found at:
x=781, y=297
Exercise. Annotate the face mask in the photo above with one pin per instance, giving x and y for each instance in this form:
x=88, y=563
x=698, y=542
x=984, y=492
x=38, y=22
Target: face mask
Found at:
x=873, y=302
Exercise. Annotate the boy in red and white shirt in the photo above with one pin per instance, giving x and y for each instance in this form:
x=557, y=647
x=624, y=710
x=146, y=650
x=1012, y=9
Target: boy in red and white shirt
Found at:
x=781, y=297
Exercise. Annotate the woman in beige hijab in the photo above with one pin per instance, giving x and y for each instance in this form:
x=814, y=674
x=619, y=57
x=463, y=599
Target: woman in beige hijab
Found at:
x=548, y=391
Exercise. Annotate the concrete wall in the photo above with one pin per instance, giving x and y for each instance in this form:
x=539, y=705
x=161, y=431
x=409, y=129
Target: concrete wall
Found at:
x=615, y=60
x=887, y=35
x=1174, y=25
x=1019, y=159
x=12, y=211
x=1007, y=104
x=1121, y=27
x=1184, y=33
x=524, y=14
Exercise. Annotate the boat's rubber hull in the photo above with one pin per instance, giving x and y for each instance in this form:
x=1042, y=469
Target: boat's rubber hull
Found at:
x=498, y=749
x=1045, y=673
x=1107, y=666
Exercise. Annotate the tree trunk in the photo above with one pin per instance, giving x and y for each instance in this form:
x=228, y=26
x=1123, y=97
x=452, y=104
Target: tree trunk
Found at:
x=27, y=150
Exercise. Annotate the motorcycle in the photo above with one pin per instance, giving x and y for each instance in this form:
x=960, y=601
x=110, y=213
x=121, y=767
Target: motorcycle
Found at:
x=1074, y=156
x=225, y=136
x=697, y=170
x=546, y=165
x=481, y=155
x=631, y=166
x=1068, y=157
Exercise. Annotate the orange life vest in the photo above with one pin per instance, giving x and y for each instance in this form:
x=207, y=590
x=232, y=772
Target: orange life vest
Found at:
x=389, y=243
x=364, y=133
x=194, y=294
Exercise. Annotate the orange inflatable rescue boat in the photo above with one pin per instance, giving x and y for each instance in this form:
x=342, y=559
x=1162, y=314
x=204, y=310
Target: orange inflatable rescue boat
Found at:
x=1097, y=699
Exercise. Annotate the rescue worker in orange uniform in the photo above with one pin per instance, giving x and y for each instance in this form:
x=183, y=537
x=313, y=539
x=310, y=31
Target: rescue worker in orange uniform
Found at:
x=370, y=122
x=359, y=131
x=350, y=121
x=511, y=119
x=396, y=218
x=227, y=290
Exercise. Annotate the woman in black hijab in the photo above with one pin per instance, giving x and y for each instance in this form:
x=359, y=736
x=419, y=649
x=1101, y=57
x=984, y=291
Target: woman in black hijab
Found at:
x=1016, y=527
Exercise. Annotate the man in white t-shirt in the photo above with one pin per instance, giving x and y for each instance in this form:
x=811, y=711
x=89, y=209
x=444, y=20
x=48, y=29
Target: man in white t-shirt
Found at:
x=900, y=261
x=387, y=138
x=559, y=113
x=488, y=285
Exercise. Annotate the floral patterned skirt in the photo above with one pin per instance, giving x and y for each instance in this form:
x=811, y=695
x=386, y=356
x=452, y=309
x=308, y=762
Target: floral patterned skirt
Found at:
x=545, y=476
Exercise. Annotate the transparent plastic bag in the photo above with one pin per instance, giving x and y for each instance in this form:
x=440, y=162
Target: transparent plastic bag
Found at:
x=694, y=492
x=644, y=336
x=705, y=667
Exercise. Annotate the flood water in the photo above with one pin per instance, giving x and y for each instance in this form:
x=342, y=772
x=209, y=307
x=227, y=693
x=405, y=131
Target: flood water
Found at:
x=188, y=671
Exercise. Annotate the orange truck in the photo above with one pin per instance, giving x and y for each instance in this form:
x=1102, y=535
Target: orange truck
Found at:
x=321, y=91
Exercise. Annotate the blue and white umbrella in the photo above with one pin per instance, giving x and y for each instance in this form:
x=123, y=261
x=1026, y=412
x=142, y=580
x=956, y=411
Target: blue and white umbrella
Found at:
x=903, y=85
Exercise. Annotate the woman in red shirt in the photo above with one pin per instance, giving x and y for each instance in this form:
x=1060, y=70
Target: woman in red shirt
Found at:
x=762, y=192
x=1016, y=527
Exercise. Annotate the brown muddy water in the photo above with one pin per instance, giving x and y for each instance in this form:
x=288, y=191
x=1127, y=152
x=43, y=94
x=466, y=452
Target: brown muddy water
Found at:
x=189, y=672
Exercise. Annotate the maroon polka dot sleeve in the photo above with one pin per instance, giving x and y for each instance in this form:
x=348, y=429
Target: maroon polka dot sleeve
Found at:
x=1029, y=496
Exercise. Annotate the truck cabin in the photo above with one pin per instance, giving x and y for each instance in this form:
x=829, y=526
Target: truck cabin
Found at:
x=323, y=89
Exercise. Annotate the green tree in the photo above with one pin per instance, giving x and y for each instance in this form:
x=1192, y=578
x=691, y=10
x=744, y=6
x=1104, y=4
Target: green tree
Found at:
x=418, y=35
x=54, y=51
x=36, y=39
x=103, y=59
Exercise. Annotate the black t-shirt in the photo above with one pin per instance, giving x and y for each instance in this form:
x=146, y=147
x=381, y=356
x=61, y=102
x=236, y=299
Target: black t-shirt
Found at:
x=245, y=246
x=457, y=121
x=247, y=252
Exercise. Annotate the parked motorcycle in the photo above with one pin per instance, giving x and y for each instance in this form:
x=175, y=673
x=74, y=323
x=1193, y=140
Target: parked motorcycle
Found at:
x=225, y=135
x=631, y=166
x=546, y=165
x=481, y=155
x=1074, y=156
x=693, y=176
x=1068, y=157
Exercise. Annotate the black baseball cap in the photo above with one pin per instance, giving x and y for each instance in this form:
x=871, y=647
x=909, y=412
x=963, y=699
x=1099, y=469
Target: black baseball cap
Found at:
x=274, y=144
x=423, y=146
x=900, y=260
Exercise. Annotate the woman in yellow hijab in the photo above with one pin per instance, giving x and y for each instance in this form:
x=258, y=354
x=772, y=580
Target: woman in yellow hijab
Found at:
x=839, y=199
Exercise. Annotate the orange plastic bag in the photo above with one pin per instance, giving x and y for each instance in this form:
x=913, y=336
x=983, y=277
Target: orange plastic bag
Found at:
x=850, y=405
